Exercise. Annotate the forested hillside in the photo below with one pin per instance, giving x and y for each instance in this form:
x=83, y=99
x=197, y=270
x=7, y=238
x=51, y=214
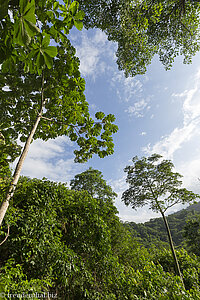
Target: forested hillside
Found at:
x=154, y=230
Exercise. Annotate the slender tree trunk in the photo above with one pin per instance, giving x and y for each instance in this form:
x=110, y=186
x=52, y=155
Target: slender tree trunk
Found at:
x=16, y=175
x=178, y=271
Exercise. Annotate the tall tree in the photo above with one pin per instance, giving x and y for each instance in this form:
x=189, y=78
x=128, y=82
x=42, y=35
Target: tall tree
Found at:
x=145, y=28
x=40, y=103
x=152, y=182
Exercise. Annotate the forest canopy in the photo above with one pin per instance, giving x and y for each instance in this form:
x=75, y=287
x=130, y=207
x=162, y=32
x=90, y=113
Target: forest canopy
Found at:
x=67, y=243
x=143, y=29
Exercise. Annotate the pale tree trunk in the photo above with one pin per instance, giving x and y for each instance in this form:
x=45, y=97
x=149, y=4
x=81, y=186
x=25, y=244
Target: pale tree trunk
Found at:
x=178, y=271
x=16, y=175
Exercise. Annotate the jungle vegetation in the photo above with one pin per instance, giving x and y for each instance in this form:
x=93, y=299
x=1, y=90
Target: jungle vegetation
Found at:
x=69, y=243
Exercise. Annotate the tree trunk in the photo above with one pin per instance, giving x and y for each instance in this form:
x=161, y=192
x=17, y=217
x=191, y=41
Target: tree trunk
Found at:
x=178, y=271
x=16, y=175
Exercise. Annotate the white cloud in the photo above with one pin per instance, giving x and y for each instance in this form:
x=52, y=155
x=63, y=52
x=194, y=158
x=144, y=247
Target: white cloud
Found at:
x=169, y=144
x=52, y=159
x=127, y=89
x=140, y=215
x=92, y=52
x=138, y=108
x=131, y=91
x=191, y=170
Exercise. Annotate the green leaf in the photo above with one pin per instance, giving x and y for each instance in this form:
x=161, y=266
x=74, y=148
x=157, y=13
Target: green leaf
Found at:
x=48, y=60
x=73, y=7
x=31, y=28
x=78, y=24
x=55, y=5
x=24, y=27
x=99, y=115
x=46, y=41
x=51, y=51
x=80, y=15
x=39, y=61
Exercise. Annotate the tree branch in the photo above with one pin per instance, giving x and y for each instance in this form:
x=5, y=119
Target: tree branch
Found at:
x=7, y=235
x=176, y=202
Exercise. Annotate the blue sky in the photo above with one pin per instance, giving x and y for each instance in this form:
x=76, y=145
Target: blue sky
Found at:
x=158, y=112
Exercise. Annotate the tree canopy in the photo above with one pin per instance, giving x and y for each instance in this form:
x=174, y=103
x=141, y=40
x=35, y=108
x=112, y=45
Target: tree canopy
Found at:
x=145, y=28
x=92, y=181
x=154, y=182
x=192, y=234
x=27, y=56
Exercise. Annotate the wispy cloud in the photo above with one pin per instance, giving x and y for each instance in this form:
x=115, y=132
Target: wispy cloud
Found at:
x=174, y=141
x=169, y=144
x=93, y=51
x=127, y=88
x=131, y=92
x=182, y=144
x=138, y=108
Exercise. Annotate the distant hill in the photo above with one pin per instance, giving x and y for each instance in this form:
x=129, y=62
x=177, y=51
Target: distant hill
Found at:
x=154, y=232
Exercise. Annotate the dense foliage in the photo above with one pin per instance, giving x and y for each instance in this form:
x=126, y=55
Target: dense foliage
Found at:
x=192, y=234
x=145, y=28
x=69, y=244
x=27, y=56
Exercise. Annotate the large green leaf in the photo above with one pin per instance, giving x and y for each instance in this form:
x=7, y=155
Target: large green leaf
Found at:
x=74, y=7
x=48, y=60
x=24, y=27
x=51, y=51
x=45, y=53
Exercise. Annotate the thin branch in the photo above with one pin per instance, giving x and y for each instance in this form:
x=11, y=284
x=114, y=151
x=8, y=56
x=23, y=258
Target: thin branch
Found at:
x=186, y=28
x=48, y=119
x=176, y=202
x=7, y=235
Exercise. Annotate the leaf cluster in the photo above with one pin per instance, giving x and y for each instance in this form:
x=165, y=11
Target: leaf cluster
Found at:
x=29, y=27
